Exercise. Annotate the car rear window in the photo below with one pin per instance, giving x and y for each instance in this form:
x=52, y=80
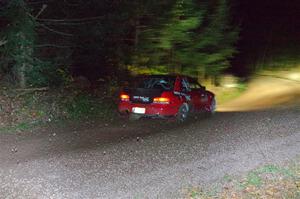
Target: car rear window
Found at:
x=154, y=82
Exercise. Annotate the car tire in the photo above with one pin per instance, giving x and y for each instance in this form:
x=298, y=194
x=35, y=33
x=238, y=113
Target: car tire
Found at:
x=134, y=117
x=212, y=107
x=183, y=113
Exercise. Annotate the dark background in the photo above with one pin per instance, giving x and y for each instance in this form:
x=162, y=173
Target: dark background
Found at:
x=269, y=36
x=269, y=29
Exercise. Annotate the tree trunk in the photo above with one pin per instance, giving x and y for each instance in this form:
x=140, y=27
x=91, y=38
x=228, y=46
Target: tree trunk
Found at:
x=137, y=33
x=22, y=76
x=23, y=59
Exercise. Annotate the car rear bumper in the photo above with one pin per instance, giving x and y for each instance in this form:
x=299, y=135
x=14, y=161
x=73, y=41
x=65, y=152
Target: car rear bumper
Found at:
x=151, y=110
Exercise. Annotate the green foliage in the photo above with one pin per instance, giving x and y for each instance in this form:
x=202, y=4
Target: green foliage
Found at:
x=266, y=182
x=192, y=36
x=213, y=44
x=78, y=106
x=184, y=18
x=188, y=35
x=35, y=75
x=21, y=59
x=253, y=179
x=148, y=70
x=20, y=38
x=84, y=106
x=22, y=111
x=46, y=73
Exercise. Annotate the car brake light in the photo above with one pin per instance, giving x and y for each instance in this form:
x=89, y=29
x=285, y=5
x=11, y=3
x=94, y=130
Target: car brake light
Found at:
x=124, y=97
x=161, y=100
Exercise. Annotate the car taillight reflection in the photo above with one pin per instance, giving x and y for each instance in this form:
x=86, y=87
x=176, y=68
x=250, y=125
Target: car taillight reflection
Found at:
x=124, y=97
x=161, y=100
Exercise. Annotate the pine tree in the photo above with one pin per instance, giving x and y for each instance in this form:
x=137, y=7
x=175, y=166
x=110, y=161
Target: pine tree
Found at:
x=190, y=37
x=20, y=36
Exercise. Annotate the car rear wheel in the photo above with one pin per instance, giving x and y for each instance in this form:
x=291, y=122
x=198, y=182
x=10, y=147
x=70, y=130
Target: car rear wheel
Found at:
x=212, y=107
x=183, y=113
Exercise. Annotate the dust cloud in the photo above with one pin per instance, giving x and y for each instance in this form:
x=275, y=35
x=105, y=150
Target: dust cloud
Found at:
x=267, y=91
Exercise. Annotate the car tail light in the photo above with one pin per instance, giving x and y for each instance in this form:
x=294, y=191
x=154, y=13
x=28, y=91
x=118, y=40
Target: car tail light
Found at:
x=124, y=97
x=161, y=100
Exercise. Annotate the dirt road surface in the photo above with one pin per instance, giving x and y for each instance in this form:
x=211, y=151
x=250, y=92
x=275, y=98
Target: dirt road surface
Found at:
x=266, y=92
x=150, y=159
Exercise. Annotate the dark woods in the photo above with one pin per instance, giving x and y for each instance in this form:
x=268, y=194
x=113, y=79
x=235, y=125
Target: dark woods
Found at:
x=49, y=42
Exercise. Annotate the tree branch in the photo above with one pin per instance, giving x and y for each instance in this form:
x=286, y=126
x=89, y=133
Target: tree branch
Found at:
x=71, y=20
x=3, y=42
x=25, y=91
x=52, y=45
x=56, y=31
x=67, y=23
x=41, y=11
x=33, y=89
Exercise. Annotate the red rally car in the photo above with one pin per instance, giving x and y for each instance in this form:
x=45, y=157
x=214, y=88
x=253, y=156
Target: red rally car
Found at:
x=165, y=96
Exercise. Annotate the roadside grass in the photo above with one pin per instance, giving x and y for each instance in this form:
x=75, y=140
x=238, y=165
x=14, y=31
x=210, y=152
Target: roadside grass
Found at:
x=230, y=94
x=28, y=111
x=224, y=94
x=268, y=182
x=86, y=106
x=24, y=126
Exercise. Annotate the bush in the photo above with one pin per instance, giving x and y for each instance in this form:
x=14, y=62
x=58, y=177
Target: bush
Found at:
x=45, y=73
x=86, y=106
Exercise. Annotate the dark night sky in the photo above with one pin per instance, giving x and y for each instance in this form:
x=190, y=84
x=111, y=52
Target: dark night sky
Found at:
x=271, y=24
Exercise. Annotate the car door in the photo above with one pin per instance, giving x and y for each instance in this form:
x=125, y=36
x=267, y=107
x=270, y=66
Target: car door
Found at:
x=186, y=90
x=199, y=96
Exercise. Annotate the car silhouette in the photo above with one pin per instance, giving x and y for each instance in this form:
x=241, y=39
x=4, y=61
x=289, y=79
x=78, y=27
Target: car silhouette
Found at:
x=165, y=96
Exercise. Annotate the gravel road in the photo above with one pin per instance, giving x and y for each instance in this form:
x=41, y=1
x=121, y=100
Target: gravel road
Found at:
x=145, y=160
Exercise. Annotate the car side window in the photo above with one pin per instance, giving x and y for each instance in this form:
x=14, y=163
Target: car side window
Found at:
x=185, y=85
x=194, y=85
